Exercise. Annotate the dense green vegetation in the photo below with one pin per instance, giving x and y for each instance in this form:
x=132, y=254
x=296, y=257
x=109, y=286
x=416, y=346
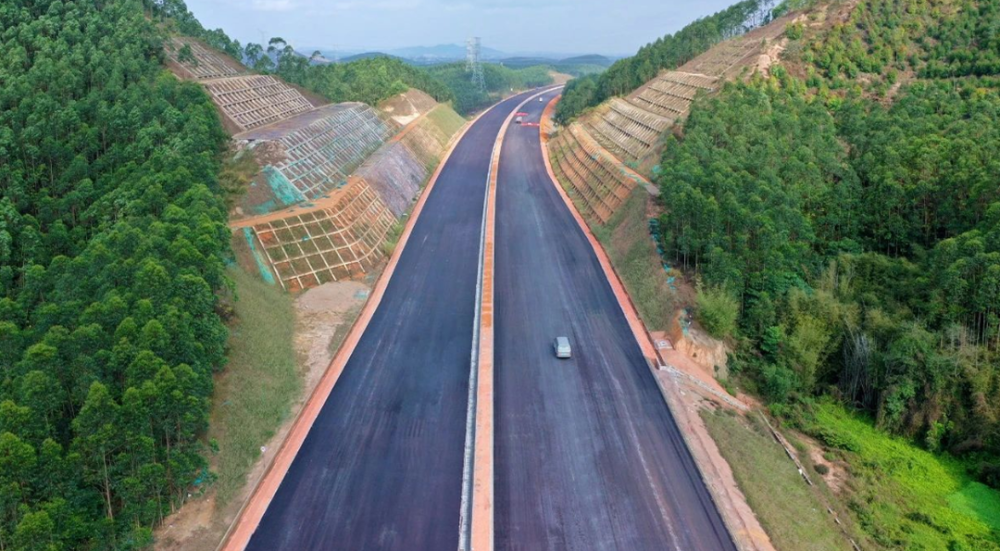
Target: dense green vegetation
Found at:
x=935, y=39
x=873, y=269
x=904, y=497
x=861, y=238
x=499, y=80
x=368, y=80
x=112, y=237
x=373, y=79
x=667, y=52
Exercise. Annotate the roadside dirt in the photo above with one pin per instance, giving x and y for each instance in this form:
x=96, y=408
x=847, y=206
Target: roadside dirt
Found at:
x=408, y=106
x=560, y=78
x=837, y=478
x=323, y=315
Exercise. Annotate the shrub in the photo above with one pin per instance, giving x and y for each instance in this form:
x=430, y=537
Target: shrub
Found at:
x=794, y=31
x=717, y=311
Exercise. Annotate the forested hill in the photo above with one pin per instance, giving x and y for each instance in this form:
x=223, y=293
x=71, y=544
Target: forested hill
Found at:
x=843, y=216
x=667, y=52
x=112, y=241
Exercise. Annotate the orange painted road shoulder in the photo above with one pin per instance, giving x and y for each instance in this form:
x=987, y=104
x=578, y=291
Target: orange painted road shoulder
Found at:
x=482, y=491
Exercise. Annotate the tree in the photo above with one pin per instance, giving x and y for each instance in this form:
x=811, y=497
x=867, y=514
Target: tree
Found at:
x=97, y=440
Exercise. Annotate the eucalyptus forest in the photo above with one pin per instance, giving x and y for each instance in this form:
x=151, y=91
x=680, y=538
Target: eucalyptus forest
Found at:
x=839, y=214
x=112, y=240
x=847, y=205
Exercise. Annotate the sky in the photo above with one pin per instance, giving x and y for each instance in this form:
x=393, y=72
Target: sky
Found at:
x=606, y=27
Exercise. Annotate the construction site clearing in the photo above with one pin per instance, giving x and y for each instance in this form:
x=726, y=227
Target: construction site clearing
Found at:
x=334, y=179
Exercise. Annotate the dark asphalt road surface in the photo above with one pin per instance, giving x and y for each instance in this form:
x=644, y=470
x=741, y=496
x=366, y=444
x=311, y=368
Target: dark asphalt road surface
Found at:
x=588, y=457
x=381, y=468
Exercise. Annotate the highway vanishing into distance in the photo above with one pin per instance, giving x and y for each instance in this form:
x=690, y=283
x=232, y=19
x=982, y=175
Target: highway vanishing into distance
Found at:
x=382, y=466
x=587, y=455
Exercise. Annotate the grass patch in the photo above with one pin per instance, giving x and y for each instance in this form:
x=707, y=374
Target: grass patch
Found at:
x=254, y=393
x=446, y=120
x=432, y=133
x=905, y=497
x=786, y=507
x=631, y=249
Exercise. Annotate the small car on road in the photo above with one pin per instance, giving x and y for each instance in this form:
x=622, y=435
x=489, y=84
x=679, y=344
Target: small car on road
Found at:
x=562, y=348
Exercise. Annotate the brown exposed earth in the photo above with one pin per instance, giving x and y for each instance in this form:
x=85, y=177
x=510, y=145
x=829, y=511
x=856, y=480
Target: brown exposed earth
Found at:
x=406, y=107
x=560, y=78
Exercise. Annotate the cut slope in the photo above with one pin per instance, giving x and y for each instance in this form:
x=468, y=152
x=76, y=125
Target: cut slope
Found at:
x=629, y=130
x=313, y=153
x=395, y=174
x=204, y=63
x=255, y=100
x=329, y=244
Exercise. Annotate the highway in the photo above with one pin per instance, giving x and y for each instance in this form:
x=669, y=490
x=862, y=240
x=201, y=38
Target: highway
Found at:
x=381, y=468
x=587, y=454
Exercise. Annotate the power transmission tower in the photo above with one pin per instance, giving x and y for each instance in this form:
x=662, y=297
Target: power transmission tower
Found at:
x=472, y=63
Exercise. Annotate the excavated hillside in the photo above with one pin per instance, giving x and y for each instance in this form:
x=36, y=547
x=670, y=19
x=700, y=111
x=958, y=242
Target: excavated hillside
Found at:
x=331, y=181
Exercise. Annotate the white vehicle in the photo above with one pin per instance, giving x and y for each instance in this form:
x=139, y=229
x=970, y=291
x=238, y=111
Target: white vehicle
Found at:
x=519, y=120
x=541, y=99
x=562, y=348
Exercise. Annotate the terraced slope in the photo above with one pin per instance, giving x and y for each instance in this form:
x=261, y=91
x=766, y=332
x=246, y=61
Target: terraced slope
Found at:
x=255, y=100
x=627, y=132
x=204, y=63
x=307, y=217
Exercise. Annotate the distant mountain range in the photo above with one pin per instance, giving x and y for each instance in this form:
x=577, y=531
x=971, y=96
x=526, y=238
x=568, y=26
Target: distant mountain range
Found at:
x=445, y=53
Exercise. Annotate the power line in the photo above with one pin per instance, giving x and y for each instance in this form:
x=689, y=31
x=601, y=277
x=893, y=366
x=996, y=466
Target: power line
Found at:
x=473, y=65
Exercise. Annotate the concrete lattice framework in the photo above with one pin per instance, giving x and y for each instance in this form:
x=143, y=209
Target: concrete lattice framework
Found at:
x=631, y=128
x=207, y=63
x=601, y=185
x=629, y=132
x=724, y=57
x=671, y=94
x=330, y=244
x=255, y=100
x=320, y=155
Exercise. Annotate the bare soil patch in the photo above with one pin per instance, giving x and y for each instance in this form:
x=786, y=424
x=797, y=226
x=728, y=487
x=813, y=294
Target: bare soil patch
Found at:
x=323, y=316
x=560, y=78
x=408, y=106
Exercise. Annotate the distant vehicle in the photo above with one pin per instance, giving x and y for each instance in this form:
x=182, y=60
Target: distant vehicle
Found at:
x=519, y=120
x=562, y=349
x=541, y=99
